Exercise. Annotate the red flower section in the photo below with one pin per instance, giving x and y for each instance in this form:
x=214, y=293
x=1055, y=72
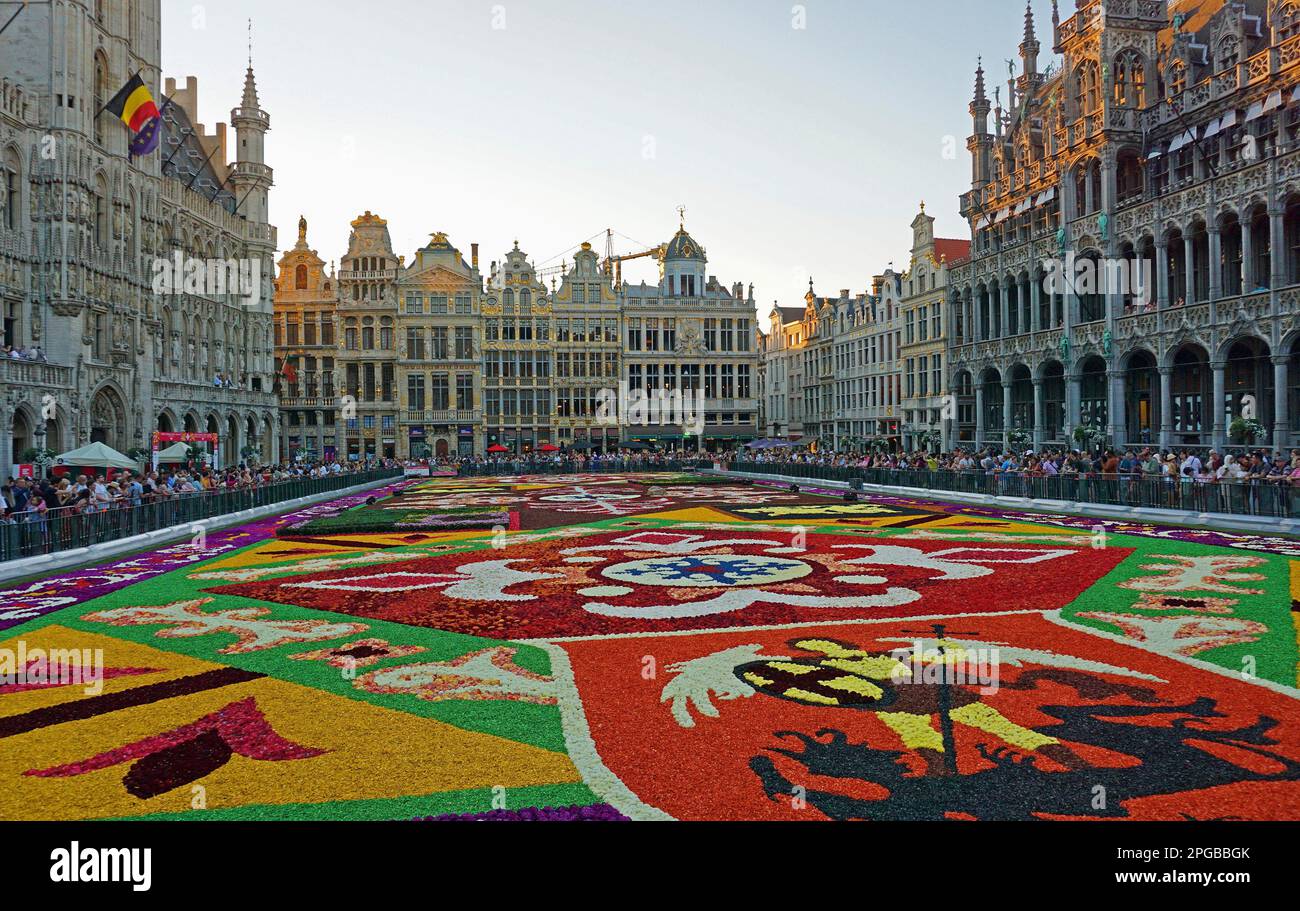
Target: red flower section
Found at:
x=240, y=725
x=627, y=581
x=812, y=723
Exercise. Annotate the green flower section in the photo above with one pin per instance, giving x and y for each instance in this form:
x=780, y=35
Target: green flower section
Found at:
x=524, y=722
x=475, y=801
x=374, y=520
x=1245, y=597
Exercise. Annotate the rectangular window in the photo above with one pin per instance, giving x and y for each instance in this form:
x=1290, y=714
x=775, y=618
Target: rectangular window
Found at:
x=440, y=392
x=415, y=392
x=414, y=343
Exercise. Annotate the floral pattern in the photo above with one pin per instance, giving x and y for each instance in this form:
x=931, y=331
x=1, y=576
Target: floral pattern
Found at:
x=609, y=647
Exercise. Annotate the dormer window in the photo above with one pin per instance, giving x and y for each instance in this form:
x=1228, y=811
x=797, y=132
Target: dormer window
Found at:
x=1177, y=78
x=1228, y=54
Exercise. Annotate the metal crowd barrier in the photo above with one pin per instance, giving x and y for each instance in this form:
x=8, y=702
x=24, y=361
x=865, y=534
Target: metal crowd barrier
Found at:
x=1239, y=498
x=67, y=529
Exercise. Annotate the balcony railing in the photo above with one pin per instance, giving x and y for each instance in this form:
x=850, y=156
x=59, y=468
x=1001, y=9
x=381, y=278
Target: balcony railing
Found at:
x=34, y=373
x=461, y=416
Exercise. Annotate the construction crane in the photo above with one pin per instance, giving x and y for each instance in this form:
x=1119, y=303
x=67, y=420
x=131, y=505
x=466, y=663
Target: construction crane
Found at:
x=614, y=263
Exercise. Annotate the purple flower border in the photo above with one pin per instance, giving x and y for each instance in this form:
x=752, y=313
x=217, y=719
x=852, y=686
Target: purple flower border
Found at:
x=31, y=600
x=598, y=813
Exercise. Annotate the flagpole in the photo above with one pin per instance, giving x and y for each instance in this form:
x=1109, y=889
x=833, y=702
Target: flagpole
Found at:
x=199, y=170
x=9, y=22
x=180, y=142
x=240, y=205
x=128, y=82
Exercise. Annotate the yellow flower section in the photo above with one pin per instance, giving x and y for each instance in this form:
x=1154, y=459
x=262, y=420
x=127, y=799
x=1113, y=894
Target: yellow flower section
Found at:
x=368, y=752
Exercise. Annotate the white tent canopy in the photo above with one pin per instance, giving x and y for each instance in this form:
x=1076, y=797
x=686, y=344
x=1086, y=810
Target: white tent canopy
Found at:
x=96, y=455
x=177, y=452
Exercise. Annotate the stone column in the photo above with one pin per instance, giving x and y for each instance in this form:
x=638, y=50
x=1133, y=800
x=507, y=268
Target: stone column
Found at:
x=1281, y=401
x=1006, y=412
x=1004, y=314
x=1218, y=435
x=7, y=441
x=1216, y=268
x=1277, y=238
x=1247, y=260
x=979, y=414
x=1040, y=421
x=1072, y=391
x=1035, y=305
x=1166, y=407
x=1118, y=418
x=1189, y=268
x=1162, y=273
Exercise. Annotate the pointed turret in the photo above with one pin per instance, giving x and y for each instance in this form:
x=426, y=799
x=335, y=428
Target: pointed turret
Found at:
x=980, y=142
x=1029, y=47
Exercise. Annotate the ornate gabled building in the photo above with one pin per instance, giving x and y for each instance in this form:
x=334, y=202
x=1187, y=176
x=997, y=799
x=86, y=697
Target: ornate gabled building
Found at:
x=306, y=309
x=587, y=347
x=84, y=227
x=689, y=332
x=782, y=353
x=369, y=343
x=1157, y=170
x=925, y=400
x=440, y=367
x=518, y=326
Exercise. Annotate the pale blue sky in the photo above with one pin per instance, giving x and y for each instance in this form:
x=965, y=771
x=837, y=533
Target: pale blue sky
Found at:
x=796, y=152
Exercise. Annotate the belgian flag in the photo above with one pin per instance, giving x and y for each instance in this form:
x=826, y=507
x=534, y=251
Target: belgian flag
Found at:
x=133, y=105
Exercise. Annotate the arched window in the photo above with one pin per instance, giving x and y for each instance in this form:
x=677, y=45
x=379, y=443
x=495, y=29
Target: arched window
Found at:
x=300, y=278
x=164, y=342
x=10, y=184
x=1286, y=22
x=101, y=85
x=1130, y=79
x=1085, y=88
x=129, y=229
x=1228, y=54
x=101, y=212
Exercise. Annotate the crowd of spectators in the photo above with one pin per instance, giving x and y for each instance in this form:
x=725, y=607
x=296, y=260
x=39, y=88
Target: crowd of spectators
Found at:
x=572, y=462
x=19, y=353
x=1184, y=466
x=1145, y=463
x=1250, y=482
x=36, y=500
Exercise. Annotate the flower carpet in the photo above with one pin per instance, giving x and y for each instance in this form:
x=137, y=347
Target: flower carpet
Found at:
x=609, y=647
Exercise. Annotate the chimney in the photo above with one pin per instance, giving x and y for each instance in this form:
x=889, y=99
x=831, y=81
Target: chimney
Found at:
x=474, y=255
